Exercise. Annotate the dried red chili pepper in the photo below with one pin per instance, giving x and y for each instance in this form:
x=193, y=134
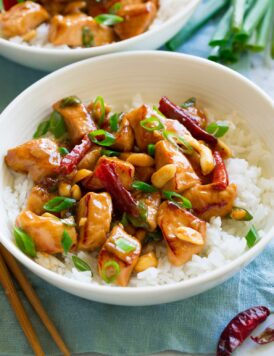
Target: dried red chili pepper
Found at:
x=220, y=176
x=265, y=337
x=9, y=3
x=239, y=328
x=111, y=182
x=70, y=161
x=175, y=112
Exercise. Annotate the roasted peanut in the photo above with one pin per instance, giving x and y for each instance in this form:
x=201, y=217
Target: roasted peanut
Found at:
x=163, y=175
x=76, y=192
x=64, y=189
x=81, y=174
x=146, y=261
x=140, y=160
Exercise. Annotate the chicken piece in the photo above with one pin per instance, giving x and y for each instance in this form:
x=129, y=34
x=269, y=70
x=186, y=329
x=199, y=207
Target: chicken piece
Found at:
x=55, y=7
x=185, y=176
x=78, y=30
x=21, y=18
x=40, y=158
x=96, y=8
x=124, y=170
x=124, y=138
x=148, y=205
x=143, y=173
x=90, y=159
x=74, y=7
x=184, y=233
x=37, y=199
x=208, y=202
x=137, y=19
x=143, y=137
x=46, y=231
x=93, y=218
x=77, y=119
x=118, y=257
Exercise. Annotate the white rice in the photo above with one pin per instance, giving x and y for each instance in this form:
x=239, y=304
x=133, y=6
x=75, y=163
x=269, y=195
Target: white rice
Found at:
x=225, y=238
x=167, y=9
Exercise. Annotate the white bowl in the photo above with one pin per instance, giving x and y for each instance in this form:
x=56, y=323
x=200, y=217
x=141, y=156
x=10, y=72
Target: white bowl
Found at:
x=51, y=59
x=118, y=78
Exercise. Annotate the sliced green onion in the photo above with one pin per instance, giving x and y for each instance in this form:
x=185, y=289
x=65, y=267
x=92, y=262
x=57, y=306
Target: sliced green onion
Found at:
x=124, y=220
x=42, y=129
x=80, y=264
x=252, y=237
x=141, y=221
x=158, y=111
x=114, y=8
x=114, y=122
x=177, y=140
x=110, y=153
x=144, y=187
x=99, y=100
x=66, y=242
x=70, y=101
x=153, y=236
x=173, y=196
x=240, y=214
x=58, y=204
x=110, y=271
x=124, y=245
x=108, y=19
x=107, y=138
x=151, y=149
x=218, y=128
x=63, y=150
x=57, y=124
x=24, y=242
x=87, y=37
x=152, y=124
x=189, y=103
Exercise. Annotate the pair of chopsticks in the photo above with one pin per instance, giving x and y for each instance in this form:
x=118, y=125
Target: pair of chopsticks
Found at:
x=8, y=263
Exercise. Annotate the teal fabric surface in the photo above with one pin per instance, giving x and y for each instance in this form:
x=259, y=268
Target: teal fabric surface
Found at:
x=192, y=325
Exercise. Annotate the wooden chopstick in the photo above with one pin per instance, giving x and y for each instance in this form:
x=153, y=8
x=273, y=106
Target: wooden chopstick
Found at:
x=19, y=309
x=33, y=299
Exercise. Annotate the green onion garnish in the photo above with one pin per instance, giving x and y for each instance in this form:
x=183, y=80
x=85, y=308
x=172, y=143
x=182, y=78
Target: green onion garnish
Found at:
x=63, y=150
x=124, y=220
x=57, y=124
x=81, y=265
x=108, y=19
x=114, y=8
x=124, y=245
x=240, y=214
x=153, y=236
x=24, y=242
x=66, y=242
x=114, y=122
x=70, y=101
x=42, y=129
x=110, y=271
x=158, y=111
x=152, y=124
x=173, y=196
x=87, y=37
x=99, y=100
x=218, y=129
x=178, y=141
x=58, y=204
x=144, y=187
x=141, y=221
x=189, y=103
x=252, y=236
x=107, y=138
x=151, y=149
x=110, y=153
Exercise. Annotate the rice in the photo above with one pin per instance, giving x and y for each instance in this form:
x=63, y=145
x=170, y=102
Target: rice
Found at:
x=167, y=10
x=224, y=238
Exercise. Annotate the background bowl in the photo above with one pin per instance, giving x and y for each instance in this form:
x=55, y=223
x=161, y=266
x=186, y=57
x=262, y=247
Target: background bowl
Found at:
x=118, y=78
x=51, y=59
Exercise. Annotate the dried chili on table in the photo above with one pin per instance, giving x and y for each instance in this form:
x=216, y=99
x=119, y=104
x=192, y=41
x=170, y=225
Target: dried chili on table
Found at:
x=239, y=328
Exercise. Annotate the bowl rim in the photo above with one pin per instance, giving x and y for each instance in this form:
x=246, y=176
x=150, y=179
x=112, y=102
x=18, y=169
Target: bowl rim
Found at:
x=207, y=277
x=115, y=46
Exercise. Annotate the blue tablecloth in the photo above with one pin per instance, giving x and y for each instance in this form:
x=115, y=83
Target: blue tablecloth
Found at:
x=192, y=325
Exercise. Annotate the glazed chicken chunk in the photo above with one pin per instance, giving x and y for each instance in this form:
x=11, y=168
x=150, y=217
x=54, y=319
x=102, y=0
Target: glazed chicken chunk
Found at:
x=93, y=218
x=184, y=233
x=22, y=18
x=40, y=158
x=37, y=199
x=78, y=30
x=47, y=231
x=118, y=257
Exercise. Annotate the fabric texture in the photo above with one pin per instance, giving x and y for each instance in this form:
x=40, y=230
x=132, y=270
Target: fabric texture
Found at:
x=191, y=325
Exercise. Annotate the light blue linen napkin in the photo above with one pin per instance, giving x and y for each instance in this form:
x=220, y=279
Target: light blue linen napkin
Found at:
x=192, y=325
